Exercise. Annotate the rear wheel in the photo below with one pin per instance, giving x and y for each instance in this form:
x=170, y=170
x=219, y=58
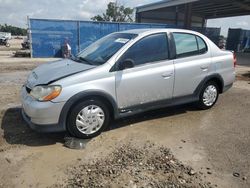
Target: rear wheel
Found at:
x=88, y=119
x=208, y=96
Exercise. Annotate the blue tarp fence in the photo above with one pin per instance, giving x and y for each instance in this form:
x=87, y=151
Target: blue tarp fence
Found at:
x=238, y=40
x=48, y=36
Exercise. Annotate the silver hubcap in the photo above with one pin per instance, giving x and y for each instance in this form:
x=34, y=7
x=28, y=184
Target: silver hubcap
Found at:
x=90, y=119
x=210, y=95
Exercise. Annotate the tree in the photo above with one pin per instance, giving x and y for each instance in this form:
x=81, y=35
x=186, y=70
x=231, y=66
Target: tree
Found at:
x=13, y=30
x=115, y=13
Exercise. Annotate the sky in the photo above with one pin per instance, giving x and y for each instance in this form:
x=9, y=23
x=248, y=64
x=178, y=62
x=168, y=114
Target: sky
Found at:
x=15, y=12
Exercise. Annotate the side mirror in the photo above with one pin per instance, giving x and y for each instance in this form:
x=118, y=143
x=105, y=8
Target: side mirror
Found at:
x=127, y=63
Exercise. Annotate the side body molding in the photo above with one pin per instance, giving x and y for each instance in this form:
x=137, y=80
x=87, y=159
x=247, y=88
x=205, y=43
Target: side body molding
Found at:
x=174, y=101
x=118, y=112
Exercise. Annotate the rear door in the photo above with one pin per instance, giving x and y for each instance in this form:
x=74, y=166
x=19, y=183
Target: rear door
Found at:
x=152, y=77
x=192, y=63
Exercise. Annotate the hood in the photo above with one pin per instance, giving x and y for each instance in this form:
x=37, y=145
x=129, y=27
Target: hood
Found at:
x=52, y=71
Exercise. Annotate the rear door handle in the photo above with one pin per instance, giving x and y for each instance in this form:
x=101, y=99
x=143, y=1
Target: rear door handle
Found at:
x=167, y=75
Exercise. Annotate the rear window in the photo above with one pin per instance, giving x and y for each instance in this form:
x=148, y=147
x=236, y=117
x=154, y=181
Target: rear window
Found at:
x=188, y=45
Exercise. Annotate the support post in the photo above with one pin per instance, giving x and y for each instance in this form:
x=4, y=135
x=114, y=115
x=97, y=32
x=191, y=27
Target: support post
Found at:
x=78, y=37
x=138, y=17
x=29, y=36
x=204, y=22
x=188, y=16
x=176, y=16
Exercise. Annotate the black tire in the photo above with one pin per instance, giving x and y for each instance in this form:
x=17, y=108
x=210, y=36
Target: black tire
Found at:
x=71, y=120
x=201, y=103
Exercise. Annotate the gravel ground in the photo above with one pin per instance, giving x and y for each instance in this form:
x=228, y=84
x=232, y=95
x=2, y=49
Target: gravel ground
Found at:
x=135, y=166
x=172, y=147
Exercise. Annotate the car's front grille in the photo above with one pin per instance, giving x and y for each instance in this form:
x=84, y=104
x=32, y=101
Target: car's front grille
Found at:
x=28, y=89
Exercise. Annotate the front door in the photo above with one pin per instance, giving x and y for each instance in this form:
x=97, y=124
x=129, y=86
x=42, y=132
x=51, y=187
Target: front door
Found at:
x=152, y=77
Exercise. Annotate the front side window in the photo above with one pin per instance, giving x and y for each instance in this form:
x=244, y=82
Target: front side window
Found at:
x=103, y=49
x=188, y=45
x=149, y=49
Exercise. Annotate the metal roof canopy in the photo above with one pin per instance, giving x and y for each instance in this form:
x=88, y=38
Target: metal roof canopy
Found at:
x=207, y=9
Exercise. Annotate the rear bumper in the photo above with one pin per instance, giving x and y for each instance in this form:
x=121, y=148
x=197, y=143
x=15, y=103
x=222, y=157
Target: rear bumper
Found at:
x=42, y=128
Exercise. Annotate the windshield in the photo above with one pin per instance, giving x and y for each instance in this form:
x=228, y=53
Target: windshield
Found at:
x=103, y=49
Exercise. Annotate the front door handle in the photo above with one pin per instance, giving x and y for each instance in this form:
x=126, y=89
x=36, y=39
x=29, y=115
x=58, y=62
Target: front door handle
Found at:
x=167, y=75
x=204, y=68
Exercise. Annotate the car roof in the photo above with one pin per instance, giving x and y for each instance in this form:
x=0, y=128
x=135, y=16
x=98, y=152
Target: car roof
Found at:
x=157, y=30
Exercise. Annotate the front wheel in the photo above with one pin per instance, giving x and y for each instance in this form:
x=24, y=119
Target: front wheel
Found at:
x=88, y=119
x=208, y=96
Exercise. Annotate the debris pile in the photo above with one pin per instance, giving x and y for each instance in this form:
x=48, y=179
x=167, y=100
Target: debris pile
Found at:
x=131, y=166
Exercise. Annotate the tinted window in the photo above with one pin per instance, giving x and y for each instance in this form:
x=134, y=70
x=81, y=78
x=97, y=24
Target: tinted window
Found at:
x=202, y=45
x=149, y=49
x=186, y=44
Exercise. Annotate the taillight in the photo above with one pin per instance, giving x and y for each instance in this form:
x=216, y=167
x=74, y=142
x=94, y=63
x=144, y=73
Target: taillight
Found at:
x=235, y=60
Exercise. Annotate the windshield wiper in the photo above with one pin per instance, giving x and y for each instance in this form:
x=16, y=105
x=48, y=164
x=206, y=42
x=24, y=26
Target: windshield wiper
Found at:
x=74, y=58
x=81, y=59
x=85, y=60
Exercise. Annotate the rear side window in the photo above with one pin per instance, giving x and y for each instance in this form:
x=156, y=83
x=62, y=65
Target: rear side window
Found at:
x=149, y=49
x=188, y=45
x=202, y=45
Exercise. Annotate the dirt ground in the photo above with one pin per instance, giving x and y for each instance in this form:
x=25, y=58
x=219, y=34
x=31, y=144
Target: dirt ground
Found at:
x=172, y=147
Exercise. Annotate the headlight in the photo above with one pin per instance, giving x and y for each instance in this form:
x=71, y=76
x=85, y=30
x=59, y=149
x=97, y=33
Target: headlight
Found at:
x=45, y=93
